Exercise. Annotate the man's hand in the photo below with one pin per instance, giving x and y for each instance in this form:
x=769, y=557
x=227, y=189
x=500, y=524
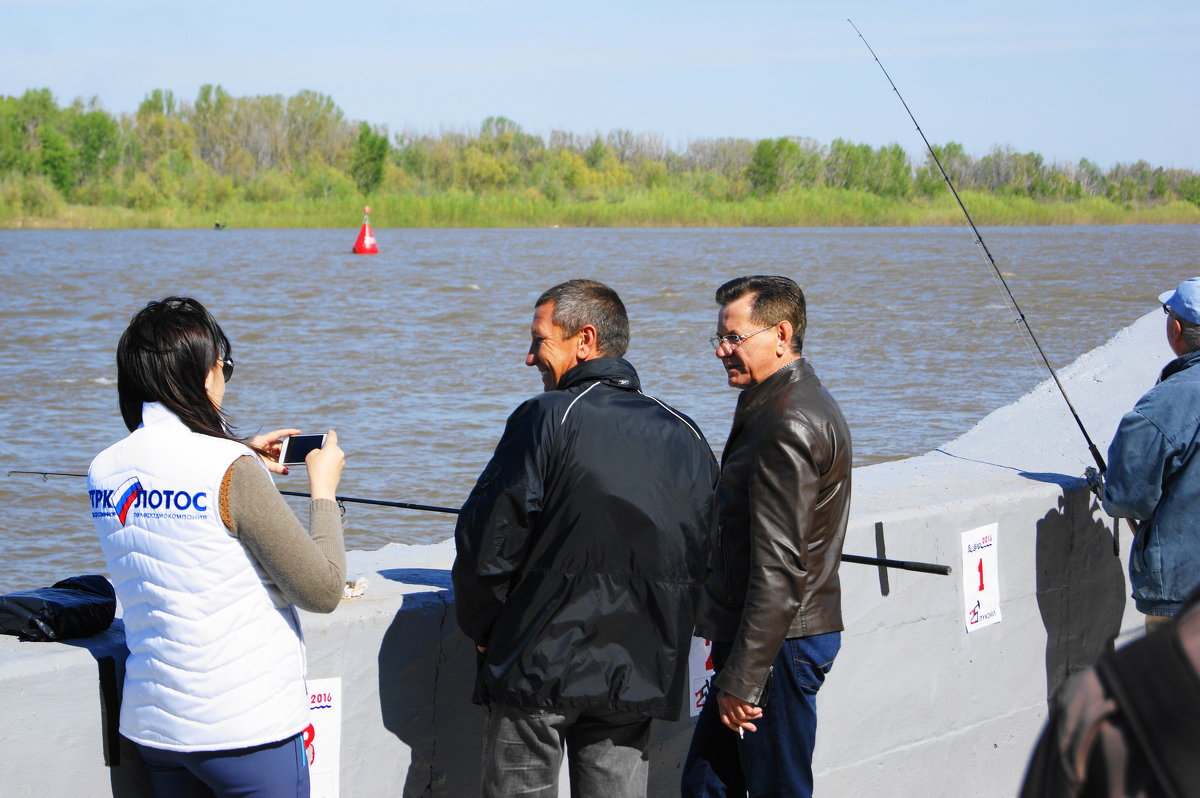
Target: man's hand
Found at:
x=737, y=714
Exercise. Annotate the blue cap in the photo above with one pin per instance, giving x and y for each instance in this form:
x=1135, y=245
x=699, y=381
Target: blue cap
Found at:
x=1184, y=301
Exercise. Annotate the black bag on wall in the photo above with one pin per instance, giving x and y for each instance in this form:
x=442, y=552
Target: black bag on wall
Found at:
x=79, y=606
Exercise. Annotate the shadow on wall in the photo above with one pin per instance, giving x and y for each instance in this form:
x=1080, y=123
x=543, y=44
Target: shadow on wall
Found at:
x=126, y=773
x=425, y=696
x=428, y=705
x=1080, y=585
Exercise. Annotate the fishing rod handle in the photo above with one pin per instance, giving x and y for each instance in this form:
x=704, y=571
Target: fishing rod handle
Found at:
x=901, y=565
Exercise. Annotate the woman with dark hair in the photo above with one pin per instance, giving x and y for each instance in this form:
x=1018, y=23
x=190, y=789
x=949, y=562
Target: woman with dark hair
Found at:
x=209, y=564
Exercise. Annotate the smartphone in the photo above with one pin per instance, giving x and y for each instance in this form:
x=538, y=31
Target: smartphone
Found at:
x=296, y=447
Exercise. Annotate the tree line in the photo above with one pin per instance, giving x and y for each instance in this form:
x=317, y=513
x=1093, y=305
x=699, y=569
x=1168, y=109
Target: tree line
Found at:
x=220, y=149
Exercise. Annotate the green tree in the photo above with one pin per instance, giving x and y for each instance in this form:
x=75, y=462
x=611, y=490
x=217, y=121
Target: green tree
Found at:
x=498, y=133
x=96, y=137
x=763, y=171
x=651, y=174
x=1188, y=188
x=159, y=128
x=370, y=155
x=315, y=129
x=141, y=194
x=1090, y=177
x=481, y=170
x=21, y=121
x=325, y=182
x=211, y=118
x=413, y=156
x=57, y=159
x=847, y=165
x=889, y=174
x=929, y=180
x=800, y=162
x=595, y=154
x=159, y=101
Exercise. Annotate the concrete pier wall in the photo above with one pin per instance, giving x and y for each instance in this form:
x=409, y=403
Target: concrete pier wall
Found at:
x=913, y=706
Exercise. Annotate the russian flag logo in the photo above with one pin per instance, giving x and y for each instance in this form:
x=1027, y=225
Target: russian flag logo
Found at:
x=125, y=496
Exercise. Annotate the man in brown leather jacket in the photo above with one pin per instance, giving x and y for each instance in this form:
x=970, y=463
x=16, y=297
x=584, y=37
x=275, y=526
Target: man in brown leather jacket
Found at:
x=772, y=600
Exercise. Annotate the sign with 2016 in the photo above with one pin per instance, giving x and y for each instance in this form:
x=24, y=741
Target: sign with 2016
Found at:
x=323, y=737
x=981, y=577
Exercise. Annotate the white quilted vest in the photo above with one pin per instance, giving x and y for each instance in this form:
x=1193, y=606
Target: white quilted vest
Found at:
x=216, y=657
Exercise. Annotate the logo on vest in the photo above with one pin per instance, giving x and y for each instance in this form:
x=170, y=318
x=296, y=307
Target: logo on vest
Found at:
x=131, y=498
x=127, y=494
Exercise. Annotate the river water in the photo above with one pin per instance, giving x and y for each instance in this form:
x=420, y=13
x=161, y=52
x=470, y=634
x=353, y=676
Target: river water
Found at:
x=415, y=355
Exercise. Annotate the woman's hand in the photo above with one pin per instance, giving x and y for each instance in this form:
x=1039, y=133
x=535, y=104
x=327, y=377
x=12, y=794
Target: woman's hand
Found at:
x=325, y=468
x=270, y=442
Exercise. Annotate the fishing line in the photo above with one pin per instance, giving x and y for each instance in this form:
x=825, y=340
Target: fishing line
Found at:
x=903, y=565
x=1001, y=286
x=992, y=261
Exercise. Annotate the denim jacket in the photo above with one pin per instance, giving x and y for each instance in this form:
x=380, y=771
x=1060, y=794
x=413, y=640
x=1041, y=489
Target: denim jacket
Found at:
x=1154, y=476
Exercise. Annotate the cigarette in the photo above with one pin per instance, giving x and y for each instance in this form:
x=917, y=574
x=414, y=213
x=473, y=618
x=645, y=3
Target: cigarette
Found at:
x=741, y=733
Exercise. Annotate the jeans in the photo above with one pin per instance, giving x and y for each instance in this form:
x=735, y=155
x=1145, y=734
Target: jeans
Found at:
x=606, y=753
x=274, y=770
x=776, y=760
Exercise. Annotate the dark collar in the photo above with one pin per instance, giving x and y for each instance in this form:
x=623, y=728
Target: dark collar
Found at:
x=614, y=371
x=1180, y=363
x=795, y=371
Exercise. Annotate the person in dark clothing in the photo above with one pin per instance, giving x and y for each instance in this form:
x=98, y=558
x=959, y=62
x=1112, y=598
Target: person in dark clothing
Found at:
x=580, y=554
x=772, y=602
x=1130, y=726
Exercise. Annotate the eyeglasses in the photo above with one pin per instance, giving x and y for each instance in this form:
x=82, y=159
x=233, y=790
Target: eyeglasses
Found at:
x=734, y=341
x=226, y=368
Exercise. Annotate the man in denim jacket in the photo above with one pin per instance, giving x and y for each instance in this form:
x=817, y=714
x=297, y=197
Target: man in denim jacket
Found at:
x=1154, y=468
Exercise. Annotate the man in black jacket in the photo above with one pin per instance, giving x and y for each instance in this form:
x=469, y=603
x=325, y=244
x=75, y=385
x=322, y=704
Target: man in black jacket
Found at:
x=580, y=553
x=772, y=604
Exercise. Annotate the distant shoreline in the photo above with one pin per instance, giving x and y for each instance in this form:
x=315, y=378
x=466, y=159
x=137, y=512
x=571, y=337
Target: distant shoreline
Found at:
x=274, y=162
x=810, y=207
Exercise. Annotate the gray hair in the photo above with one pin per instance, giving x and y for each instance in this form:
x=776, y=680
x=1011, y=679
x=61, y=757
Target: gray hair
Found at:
x=1191, y=332
x=578, y=303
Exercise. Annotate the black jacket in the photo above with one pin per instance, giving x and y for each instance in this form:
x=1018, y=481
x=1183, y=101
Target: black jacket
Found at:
x=784, y=501
x=582, y=546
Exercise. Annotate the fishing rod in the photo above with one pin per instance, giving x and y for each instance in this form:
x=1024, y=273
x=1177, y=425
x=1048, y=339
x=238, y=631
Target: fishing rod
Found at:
x=403, y=505
x=901, y=565
x=979, y=240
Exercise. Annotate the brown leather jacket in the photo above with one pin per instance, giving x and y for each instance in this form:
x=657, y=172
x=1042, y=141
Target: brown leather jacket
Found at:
x=783, y=499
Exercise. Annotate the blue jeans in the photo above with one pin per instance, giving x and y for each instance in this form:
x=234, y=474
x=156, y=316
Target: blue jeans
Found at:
x=274, y=770
x=776, y=760
x=606, y=753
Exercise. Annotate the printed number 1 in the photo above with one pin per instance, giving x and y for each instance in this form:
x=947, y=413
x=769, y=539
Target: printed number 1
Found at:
x=981, y=573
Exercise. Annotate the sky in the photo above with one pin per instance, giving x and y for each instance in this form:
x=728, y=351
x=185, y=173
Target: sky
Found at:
x=1113, y=82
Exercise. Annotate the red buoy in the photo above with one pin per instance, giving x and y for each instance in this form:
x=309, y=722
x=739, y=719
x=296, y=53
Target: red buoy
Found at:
x=365, y=245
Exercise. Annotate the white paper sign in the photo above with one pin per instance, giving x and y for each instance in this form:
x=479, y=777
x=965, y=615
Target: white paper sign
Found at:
x=981, y=577
x=700, y=667
x=323, y=737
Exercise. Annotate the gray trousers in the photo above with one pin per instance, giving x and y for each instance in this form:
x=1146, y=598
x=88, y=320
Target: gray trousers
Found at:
x=606, y=753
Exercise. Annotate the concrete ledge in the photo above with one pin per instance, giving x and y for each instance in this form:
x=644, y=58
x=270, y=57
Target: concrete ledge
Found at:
x=914, y=705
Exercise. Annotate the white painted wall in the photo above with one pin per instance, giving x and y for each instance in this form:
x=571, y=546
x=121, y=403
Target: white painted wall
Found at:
x=914, y=705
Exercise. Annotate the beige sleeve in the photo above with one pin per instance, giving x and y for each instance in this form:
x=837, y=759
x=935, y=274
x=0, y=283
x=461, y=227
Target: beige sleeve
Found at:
x=308, y=567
